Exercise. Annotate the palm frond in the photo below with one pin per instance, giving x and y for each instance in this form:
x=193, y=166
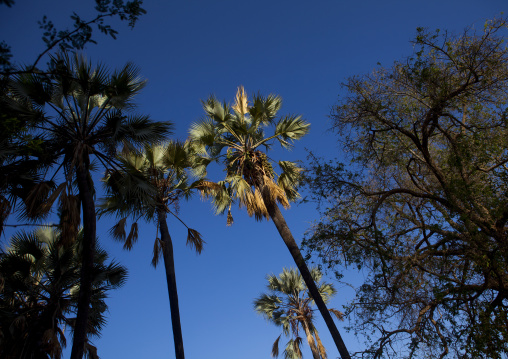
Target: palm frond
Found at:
x=275, y=347
x=36, y=199
x=241, y=102
x=194, y=240
x=321, y=348
x=274, y=193
x=132, y=237
x=157, y=252
x=70, y=216
x=289, y=179
x=337, y=313
x=118, y=230
x=264, y=109
x=289, y=129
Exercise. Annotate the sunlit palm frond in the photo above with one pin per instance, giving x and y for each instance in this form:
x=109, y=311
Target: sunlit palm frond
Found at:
x=320, y=346
x=290, y=129
x=264, y=109
x=274, y=193
x=241, y=102
x=288, y=305
x=266, y=305
x=292, y=350
x=337, y=313
x=233, y=136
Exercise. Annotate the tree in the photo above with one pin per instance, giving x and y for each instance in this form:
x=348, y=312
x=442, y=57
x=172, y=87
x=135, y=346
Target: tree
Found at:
x=79, y=36
x=148, y=184
x=426, y=211
x=289, y=305
x=250, y=177
x=40, y=274
x=80, y=112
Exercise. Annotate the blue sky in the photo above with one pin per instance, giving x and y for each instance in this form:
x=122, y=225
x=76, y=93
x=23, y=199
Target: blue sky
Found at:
x=188, y=50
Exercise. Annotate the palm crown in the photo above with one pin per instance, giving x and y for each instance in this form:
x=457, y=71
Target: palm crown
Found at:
x=148, y=183
x=79, y=112
x=40, y=276
x=250, y=175
x=289, y=306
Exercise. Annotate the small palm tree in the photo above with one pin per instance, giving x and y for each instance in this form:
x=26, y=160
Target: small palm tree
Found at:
x=147, y=186
x=289, y=305
x=236, y=135
x=40, y=274
x=80, y=113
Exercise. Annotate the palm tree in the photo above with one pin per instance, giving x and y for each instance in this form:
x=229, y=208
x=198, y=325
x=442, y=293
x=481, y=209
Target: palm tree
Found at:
x=236, y=135
x=147, y=186
x=289, y=305
x=80, y=113
x=40, y=273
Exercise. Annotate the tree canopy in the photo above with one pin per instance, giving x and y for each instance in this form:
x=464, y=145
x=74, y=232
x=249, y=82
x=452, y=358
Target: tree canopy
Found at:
x=425, y=211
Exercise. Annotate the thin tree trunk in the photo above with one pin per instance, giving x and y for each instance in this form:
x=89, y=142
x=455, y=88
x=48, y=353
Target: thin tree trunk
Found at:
x=310, y=340
x=285, y=233
x=169, y=264
x=88, y=254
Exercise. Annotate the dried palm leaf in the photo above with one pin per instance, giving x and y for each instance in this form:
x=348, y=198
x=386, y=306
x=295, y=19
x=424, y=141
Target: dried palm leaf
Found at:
x=118, y=230
x=5, y=210
x=274, y=193
x=321, y=348
x=229, y=217
x=132, y=237
x=36, y=198
x=92, y=351
x=338, y=314
x=297, y=346
x=195, y=240
x=48, y=203
x=157, y=252
x=275, y=347
x=241, y=103
x=70, y=217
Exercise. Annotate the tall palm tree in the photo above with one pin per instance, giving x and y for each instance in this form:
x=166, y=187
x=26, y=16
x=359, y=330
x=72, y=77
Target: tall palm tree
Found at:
x=289, y=305
x=147, y=186
x=81, y=113
x=236, y=135
x=40, y=273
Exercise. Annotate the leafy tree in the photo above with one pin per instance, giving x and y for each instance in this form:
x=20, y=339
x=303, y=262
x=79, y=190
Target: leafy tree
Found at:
x=250, y=176
x=426, y=212
x=146, y=186
x=79, y=36
x=289, y=305
x=40, y=274
x=80, y=112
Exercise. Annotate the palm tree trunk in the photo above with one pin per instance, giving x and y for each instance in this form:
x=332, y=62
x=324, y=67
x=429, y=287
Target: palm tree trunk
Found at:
x=169, y=264
x=310, y=340
x=285, y=233
x=89, y=242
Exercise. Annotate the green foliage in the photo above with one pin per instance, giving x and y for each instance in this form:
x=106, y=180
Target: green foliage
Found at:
x=63, y=119
x=147, y=185
x=288, y=305
x=236, y=136
x=425, y=212
x=40, y=275
x=81, y=32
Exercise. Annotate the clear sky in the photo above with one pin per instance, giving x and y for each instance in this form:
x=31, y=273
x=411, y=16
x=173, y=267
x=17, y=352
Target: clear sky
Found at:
x=187, y=50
